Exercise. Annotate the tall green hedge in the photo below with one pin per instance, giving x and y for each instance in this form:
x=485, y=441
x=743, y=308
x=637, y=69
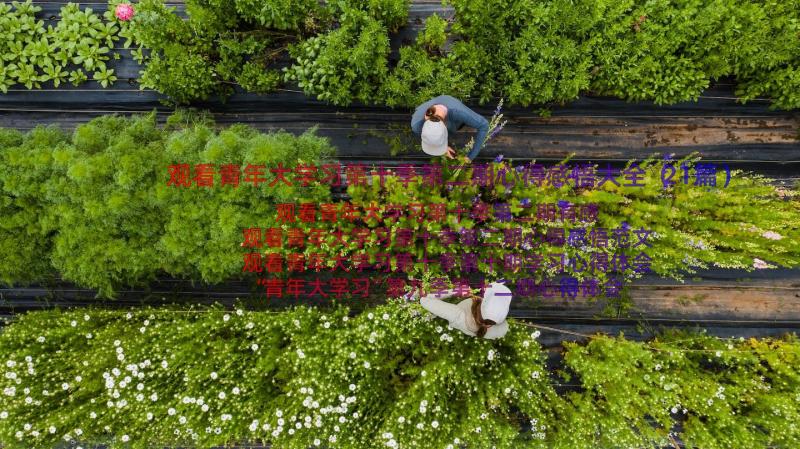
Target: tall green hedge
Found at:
x=389, y=377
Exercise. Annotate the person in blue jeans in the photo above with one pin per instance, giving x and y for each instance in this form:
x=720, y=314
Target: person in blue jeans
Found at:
x=439, y=117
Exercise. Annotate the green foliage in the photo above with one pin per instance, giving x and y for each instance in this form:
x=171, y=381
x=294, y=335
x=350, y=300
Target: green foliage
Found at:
x=390, y=376
x=108, y=219
x=392, y=13
x=32, y=54
x=25, y=162
x=665, y=52
x=530, y=53
x=345, y=65
x=420, y=76
x=768, y=49
x=277, y=14
x=96, y=206
x=434, y=35
x=253, y=78
x=219, y=44
x=738, y=226
x=209, y=251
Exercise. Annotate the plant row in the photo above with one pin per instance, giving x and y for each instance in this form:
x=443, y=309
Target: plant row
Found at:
x=97, y=207
x=542, y=52
x=389, y=377
x=547, y=51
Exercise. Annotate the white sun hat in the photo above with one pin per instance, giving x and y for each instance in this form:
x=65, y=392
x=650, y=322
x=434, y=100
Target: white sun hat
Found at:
x=496, y=301
x=434, y=138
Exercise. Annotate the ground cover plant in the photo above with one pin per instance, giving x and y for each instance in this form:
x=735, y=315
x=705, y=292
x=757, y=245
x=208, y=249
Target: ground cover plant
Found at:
x=75, y=50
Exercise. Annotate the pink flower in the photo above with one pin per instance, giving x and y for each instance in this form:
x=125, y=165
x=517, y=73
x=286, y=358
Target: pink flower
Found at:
x=760, y=264
x=124, y=11
x=771, y=235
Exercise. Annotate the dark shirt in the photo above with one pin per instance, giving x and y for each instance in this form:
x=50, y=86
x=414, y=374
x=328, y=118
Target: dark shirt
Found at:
x=458, y=115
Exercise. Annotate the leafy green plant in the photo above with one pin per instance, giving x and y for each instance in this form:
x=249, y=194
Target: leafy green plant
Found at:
x=434, y=35
x=218, y=45
x=392, y=13
x=31, y=54
x=768, y=49
x=390, y=376
x=277, y=14
x=345, y=65
x=420, y=76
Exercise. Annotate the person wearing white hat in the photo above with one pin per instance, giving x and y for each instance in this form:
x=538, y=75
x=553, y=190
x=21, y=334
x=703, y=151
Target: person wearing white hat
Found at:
x=475, y=316
x=436, y=119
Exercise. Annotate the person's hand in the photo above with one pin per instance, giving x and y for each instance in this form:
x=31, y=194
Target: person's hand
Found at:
x=466, y=159
x=451, y=153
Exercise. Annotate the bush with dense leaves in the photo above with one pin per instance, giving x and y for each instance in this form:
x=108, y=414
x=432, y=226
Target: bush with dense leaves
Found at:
x=96, y=207
x=345, y=65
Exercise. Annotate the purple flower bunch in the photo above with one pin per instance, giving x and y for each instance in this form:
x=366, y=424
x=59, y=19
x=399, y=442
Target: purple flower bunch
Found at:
x=525, y=202
x=499, y=158
x=563, y=204
x=497, y=130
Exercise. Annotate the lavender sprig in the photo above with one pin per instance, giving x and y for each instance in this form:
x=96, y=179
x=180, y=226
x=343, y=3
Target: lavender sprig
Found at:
x=495, y=126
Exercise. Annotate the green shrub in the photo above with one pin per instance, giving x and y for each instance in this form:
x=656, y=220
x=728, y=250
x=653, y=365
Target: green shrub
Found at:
x=25, y=163
x=345, y=65
x=209, y=252
x=392, y=13
x=109, y=221
x=277, y=14
x=768, y=53
x=662, y=51
x=419, y=76
x=547, y=51
x=219, y=44
x=96, y=206
x=391, y=376
x=434, y=36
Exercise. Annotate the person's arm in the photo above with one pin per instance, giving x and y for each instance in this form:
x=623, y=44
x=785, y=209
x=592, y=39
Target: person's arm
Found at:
x=433, y=303
x=497, y=331
x=416, y=125
x=482, y=125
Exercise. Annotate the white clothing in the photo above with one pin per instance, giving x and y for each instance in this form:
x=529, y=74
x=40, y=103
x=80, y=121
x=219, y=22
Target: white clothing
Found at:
x=459, y=315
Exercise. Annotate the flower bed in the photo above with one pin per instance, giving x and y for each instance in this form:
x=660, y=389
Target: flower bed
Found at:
x=389, y=377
